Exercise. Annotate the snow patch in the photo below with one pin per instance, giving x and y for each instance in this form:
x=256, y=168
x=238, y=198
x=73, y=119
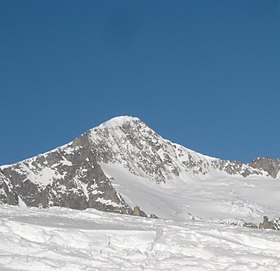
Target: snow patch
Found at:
x=117, y=121
x=108, y=202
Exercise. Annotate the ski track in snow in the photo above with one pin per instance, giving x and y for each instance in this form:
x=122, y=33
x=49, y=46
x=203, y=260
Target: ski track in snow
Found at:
x=64, y=239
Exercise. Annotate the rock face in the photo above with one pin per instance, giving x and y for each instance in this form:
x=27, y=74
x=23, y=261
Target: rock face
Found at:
x=138, y=212
x=7, y=193
x=270, y=165
x=70, y=176
x=268, y=224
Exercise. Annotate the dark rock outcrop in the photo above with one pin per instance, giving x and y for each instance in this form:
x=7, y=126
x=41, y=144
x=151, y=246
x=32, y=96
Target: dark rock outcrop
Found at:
x=138, y=212
x=268, y=164
x=250, y=225
x=68, y=177
x=7, y=193
x=268, y=224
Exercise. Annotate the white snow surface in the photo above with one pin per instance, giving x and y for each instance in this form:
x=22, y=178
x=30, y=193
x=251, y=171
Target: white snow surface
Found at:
x=64, y=239
x=219, y=197
x=117, y=121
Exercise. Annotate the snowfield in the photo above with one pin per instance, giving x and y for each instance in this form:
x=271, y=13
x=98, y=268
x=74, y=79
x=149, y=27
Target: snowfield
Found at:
x=216, y=196
x=64, y=239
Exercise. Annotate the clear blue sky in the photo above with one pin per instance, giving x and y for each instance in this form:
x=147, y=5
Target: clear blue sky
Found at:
x=205, y=74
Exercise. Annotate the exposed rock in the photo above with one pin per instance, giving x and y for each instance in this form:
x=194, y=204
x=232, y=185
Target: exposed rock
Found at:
x=276, y=224
x=266, y=224
x=138, y=212
x=250, y=225
x=7, y=193
x=270, y=165
x=68, y=176
x=153, y=216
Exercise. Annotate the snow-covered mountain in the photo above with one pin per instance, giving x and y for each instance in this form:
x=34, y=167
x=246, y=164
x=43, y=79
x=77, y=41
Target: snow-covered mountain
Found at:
x=123, y=163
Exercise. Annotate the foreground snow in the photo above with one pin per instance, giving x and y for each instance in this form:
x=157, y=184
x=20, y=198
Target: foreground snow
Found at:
x=64, y=239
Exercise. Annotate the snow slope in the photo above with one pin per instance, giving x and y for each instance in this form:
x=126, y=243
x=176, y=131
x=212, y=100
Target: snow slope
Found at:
x=64, y=239
x=221, y=198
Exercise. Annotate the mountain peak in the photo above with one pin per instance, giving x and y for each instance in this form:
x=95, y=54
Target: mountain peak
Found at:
x=119, y=121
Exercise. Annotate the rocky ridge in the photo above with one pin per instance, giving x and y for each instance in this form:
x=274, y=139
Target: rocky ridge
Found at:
x=68, y=176
x=130, y=142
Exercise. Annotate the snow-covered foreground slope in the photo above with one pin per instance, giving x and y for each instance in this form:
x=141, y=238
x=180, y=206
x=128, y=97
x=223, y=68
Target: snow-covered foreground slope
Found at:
x=64, y=239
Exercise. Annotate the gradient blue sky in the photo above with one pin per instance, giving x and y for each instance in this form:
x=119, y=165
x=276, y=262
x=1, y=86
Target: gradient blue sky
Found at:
x=205, y=74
